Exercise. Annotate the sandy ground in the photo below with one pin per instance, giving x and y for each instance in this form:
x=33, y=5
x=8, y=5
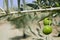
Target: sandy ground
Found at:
x=7, y=31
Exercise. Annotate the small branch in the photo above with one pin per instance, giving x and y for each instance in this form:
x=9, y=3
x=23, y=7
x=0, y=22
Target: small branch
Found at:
x=37, y=10
x=32, y=31
x=2, y=10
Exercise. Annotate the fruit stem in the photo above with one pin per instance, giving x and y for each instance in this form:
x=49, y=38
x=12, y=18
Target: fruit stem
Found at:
x=46, y=38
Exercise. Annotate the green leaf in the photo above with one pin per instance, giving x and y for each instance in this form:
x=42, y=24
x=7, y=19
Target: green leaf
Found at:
x=18, y=5
x=33, y=5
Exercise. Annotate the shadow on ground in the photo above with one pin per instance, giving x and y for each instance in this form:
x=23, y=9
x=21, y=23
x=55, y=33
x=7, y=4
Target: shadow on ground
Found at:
x=20, y=37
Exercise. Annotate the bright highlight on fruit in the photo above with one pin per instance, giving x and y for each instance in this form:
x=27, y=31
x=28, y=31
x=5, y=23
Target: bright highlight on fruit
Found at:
x=47, y=29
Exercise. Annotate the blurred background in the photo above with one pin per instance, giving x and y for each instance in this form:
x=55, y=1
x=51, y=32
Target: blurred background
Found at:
x=28, y=26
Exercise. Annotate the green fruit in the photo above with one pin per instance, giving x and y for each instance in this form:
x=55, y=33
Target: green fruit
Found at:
x=46, y=21
x=47, y=29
